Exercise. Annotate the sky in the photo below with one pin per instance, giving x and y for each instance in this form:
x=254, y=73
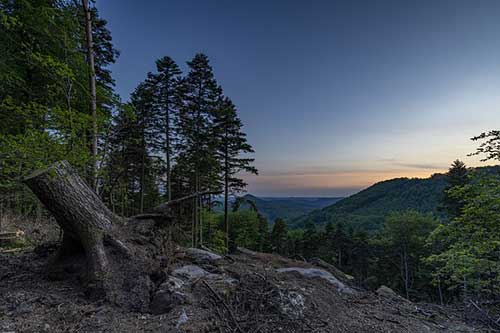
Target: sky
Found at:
x=334, y=95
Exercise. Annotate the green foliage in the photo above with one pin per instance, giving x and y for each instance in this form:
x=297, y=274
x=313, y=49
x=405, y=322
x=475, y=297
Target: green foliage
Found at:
x=196, y=143
x=456, y=176
x=279, y=236
x=471, y=242
x=367, y=209
x=231, y=144
x=489, y=146
x=403, y=238
x=244, y=225
x=44, y=114
x=248, y=229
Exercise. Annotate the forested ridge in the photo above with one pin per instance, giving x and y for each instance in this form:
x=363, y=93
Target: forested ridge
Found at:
x=367, y=209
x=165, y=170
x=288, y=208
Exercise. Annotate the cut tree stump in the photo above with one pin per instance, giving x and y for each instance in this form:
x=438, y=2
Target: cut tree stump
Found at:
x=82, y=216
x=119, y=253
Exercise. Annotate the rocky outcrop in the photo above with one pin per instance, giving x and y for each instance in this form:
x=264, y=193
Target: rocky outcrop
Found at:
x=319, y=273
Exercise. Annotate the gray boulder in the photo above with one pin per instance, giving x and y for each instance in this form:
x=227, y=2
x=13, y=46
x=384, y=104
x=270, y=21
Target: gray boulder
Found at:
x=201, y=256
x=190, y=272
x=319, y=273
x=389, y=293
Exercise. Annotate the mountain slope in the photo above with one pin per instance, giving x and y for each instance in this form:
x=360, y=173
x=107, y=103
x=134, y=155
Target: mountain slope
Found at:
x=288, y=208
x=368, y=208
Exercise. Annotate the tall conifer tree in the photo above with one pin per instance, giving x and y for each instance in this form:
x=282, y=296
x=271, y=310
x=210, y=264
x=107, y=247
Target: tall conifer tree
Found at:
x=195, y=145
x=231, y=144
x=168, y=81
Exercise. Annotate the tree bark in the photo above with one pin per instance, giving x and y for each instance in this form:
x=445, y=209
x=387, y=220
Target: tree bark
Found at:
x=82, y=216
x=120, y=253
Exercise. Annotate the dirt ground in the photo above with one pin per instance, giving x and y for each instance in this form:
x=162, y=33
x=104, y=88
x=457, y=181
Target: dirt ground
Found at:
x=241, y=293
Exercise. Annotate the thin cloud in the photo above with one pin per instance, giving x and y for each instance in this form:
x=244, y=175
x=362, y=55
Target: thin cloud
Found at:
x=425, y=166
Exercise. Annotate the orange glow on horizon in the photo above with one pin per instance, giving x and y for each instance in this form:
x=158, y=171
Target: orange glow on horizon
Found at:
x=335, y=180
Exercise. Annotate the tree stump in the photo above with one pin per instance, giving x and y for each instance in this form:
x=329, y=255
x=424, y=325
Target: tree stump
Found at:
x=120, y=254
x=117, y=268
x=82, y=216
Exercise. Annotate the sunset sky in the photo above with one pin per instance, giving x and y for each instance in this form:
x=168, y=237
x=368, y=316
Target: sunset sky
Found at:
x=334, y=95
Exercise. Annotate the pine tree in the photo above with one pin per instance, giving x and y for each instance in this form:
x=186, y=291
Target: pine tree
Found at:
x=279, y=236
x=133, y=165
x=143, y=102
x=263, y=233
x=360, y=255
x=310, y=241
x=456, y=176
x=168, y=81
x=231, y=143
x=490, y=145
x=195, y=146
x=122, y=163
x=340, y=242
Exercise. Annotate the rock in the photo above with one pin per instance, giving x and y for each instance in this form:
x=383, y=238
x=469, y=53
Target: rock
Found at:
x=190, y=272
x=183, y=318
x=247, y=251
x=332, y=269
x=165, y=301
x=201, y=256
x=315, y=272
x=172, y=284
x=387, y=292
x=292, y=304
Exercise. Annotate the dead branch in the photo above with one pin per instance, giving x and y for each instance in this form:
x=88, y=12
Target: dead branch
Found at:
x=226, y=306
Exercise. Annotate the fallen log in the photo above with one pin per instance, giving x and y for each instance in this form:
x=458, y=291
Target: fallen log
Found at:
x=119, y=253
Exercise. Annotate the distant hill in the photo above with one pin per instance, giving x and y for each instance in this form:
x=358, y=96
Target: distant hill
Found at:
x=367, y=209
x=288, y=208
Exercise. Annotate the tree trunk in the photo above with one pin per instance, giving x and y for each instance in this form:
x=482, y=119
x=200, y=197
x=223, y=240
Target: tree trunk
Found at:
x=440, y=292
x=167, y=151
x=82, y=216
x=226, y=198
x=200, y=212
x=120, y=254
x=93, y=91
x=406, y=274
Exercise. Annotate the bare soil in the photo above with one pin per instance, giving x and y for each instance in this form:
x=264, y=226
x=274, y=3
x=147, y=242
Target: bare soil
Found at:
x=246, y=295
